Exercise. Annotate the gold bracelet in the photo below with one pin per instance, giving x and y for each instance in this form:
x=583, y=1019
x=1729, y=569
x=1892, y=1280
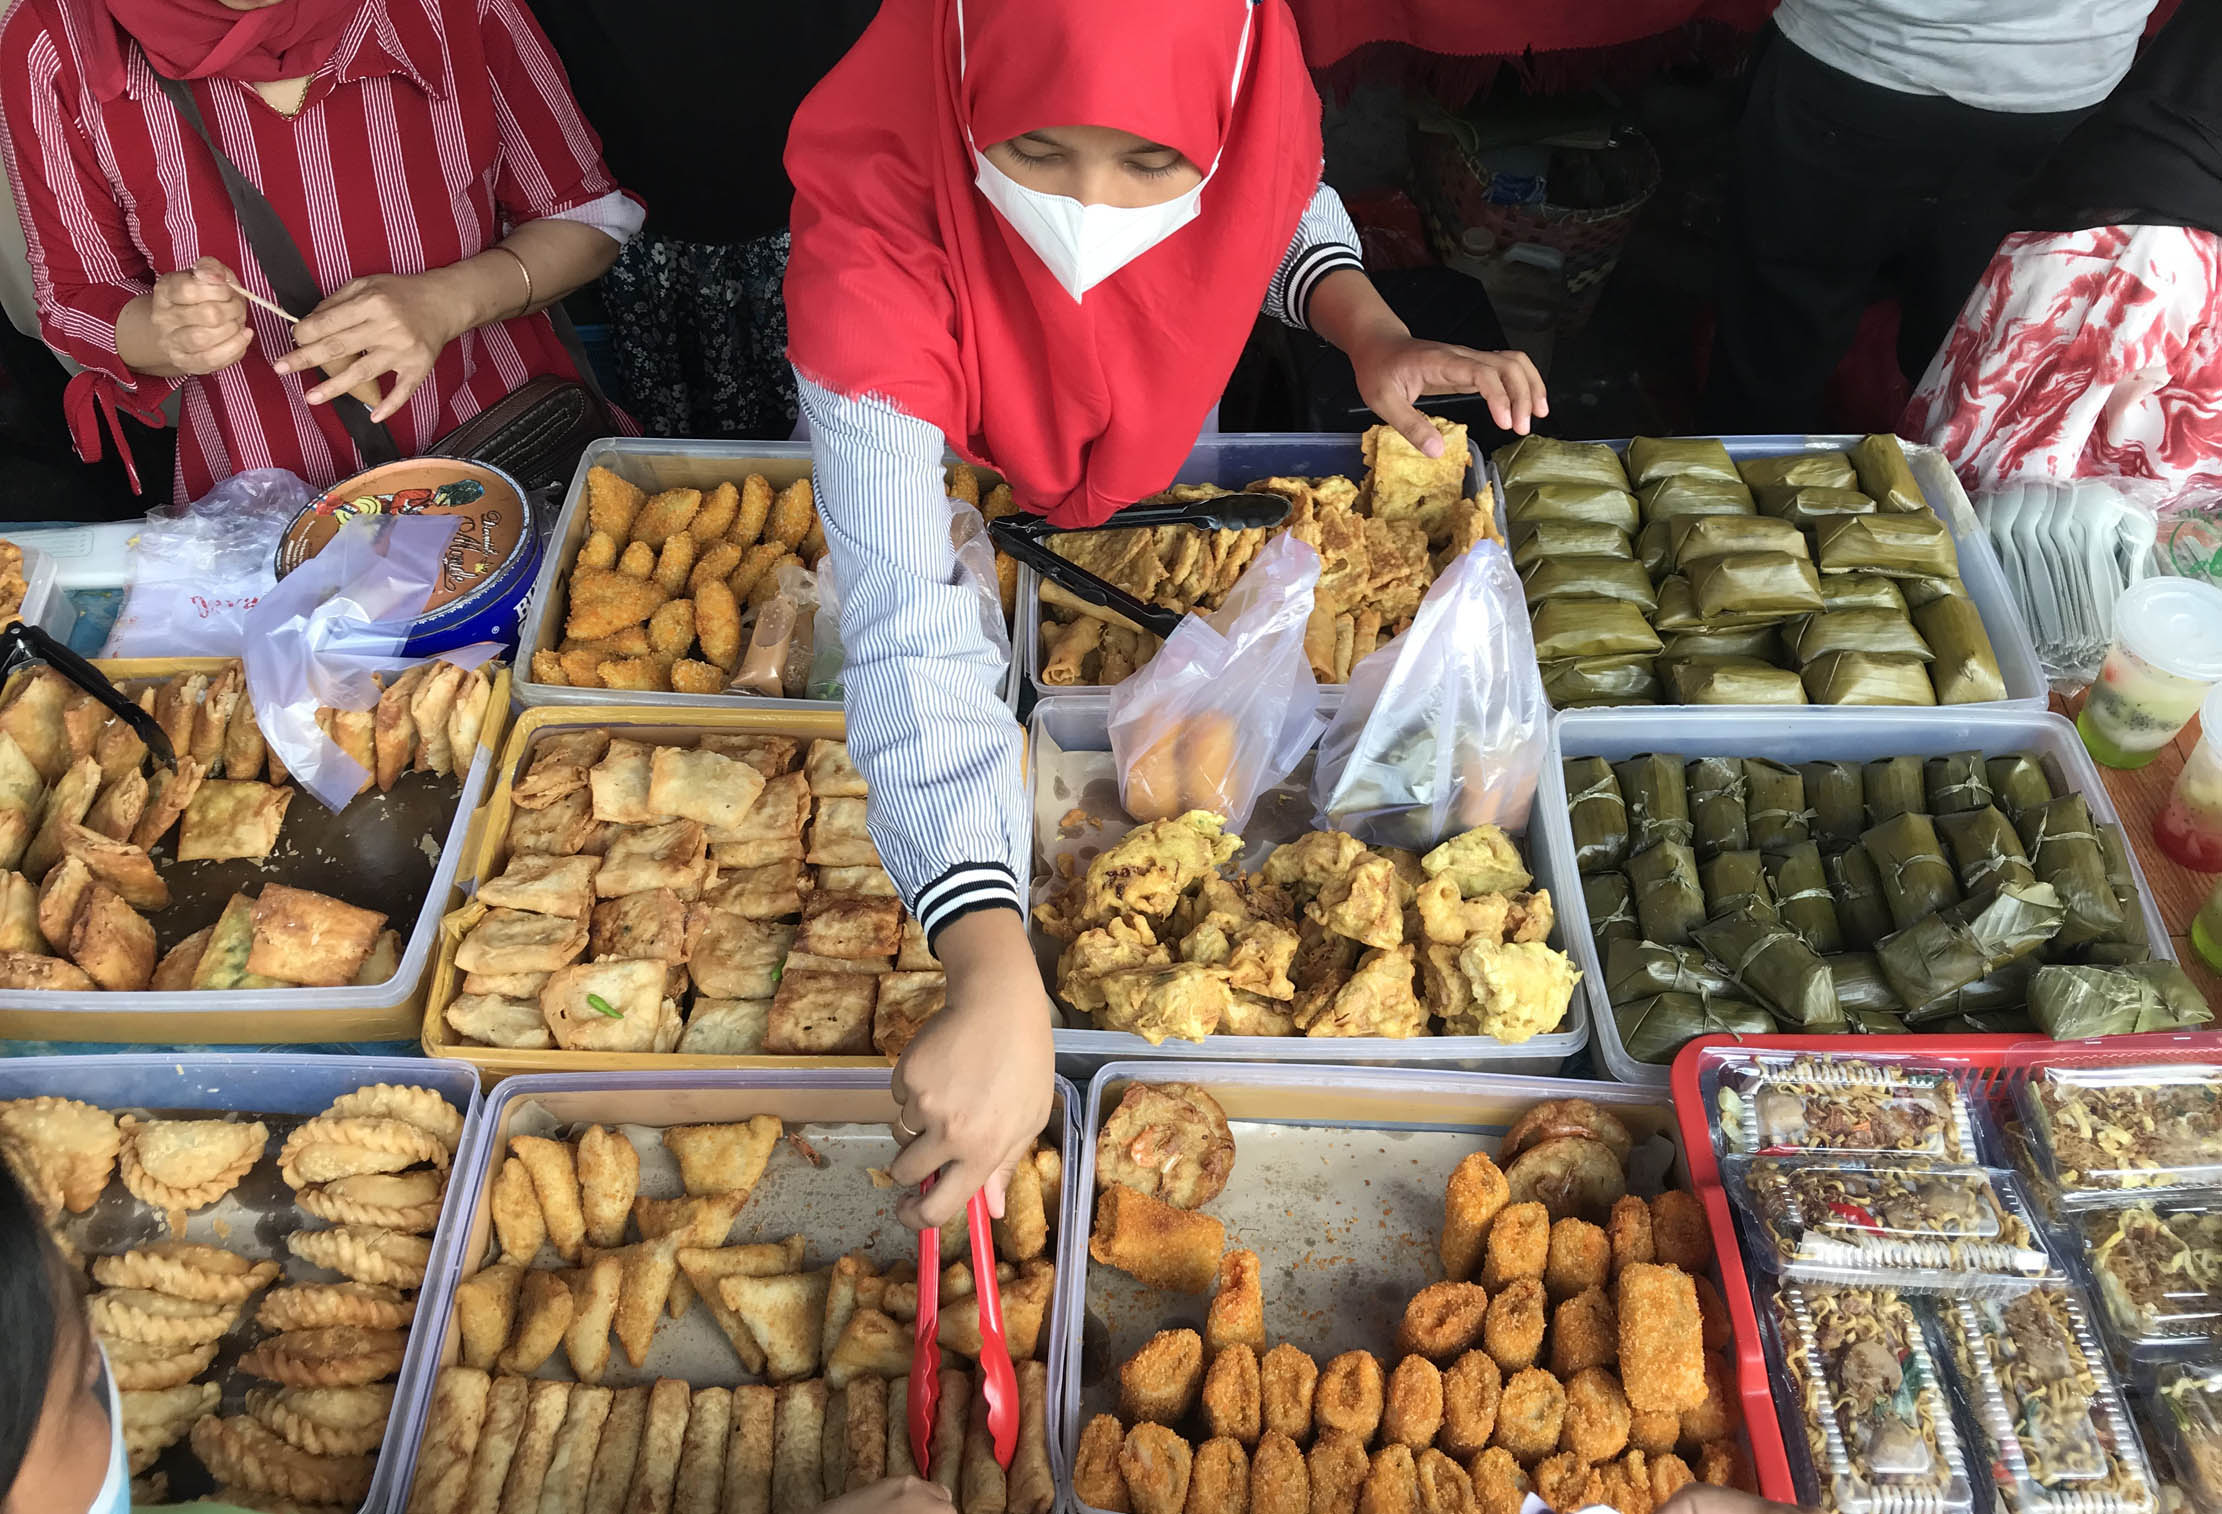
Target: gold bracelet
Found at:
x=523, y=269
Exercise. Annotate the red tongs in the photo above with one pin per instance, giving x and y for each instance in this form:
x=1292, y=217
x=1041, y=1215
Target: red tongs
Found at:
x=998, y=1382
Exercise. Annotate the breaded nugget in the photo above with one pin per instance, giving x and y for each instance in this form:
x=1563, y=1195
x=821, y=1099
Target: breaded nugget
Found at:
x=1585, y=1332
x=1560, y=1481
x=1096, y=1478
x=1337, y=1467
x=1512, y=1334
x=1680, y=1237
x=1629, y=1232
x=1653, y=1431
x=792, y=515
x=691, y=677
x=599, y=550
x=1177, y=1250
x=649, y=672
x=1391, y=1486
x=767, y=587
x=1471, y=1200
x=1519, y=1244
x=756, y=565
x=1580, y=1257
x=605, y=603
x=1670, y=1474
x=713, y=560
x=671, y=629
x=1349, y=1396
x=1719, y=1413
x=674, y=563
x=1662, y=1339
x=1528, y=1415
x=1500, y=1484
x=672, y=510
x=547, y=667
x=638, y=561
x=715, y=517
x=748, y=520
x=1471, y=1389
x=1713, y=1310
x=964, y=484
x=1237, y=1315
x=814, y=547
x=1279, y=1483
x=1287, y=1379
x=717, y=623
x=1412, y=1410
x=1219, y=1478
x=1156, y=1464
x=1442, y=1320
x=1723, y=1464
x=1159, y=1383
x=1444, y=1486
x=1595, y=1427
x=1232, y=1404
x=612, y=502
x=1623, y=1485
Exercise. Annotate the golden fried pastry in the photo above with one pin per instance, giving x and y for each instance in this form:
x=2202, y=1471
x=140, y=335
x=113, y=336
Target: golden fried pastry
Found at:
x=1724, y=1464
x=365, y=1253
x=1237, y=1316
x=182, y=1165
x=1471, y=1390
x=1562, y=1481
x=158, y=1418
x=1391, y=1485
x=309, y=938
x=1529, y=1414
x=187, y=1271
x=1680, y=1236
x=406, y=1201
x=1279, y=1482
x=1512, y=1332
x=1595, y=1425
x=241, y=1451
x=1097, y=1480
x=1160, y=1382
x=1218, y=1479
x=1500, y=1484
x=1472, y=1198
x=726, y=1158
x=543, y=1318
x=156, y=1319
x=1232, y=1398
x=72, y=1145
x=1585, y=1332
x=1156, y=1464
x=515, y=1207
x=140, y=1367
x=1662, y=1338
x=1349, y=1395
x=1719, y=1413
x=1163, y=1247
x=1444, y=1487
x=1288, y=1380
x=1579, y=1258
x=1413, y=1407
x=1519, y=1244
x=1442, y=1320
x=599, y=1288
x=325, y=1421
x=1628, y=1232
x=785, y=1314
x=310, y=1306
x=328, y=1148
x=1170, y=1141
x=334, y=1356
x=1181, y=1002
x=1337, y=1468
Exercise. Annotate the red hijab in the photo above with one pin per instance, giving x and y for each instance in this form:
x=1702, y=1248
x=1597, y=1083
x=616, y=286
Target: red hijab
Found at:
x=204, y=39
x=907, y=286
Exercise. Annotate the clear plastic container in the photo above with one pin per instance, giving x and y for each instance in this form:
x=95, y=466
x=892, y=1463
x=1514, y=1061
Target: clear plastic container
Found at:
x=1796, y=736
x=2048, y=1418
x=2190, y=825
x=1920, y=1226
x=2156, y=1270
x=2166, y=657
x=2110, y=1135
x=1781, y=1103
x=278, y=1084
x=1077, y=723
x=45, y=603
x=664, y=1099
x=655, y=463
x=2184, y=1411
x=1868, y=1424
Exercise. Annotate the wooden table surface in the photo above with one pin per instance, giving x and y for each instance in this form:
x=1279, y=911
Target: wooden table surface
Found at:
x=2139, y=796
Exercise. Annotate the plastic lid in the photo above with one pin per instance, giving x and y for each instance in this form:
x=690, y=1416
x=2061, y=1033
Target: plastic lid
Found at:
x=2175, y=624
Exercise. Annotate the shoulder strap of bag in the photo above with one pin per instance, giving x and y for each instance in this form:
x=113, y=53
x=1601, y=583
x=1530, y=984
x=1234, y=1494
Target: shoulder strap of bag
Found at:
x=282, y=264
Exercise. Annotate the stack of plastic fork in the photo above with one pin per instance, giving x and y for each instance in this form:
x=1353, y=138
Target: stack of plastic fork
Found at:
x=2069, y=547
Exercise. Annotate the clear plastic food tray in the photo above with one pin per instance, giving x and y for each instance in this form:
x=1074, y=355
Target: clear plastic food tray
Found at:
x=278, y=1086
x=1915, y=1225
x=2047, y=1415
x=45, y=603
x=1782, y=1103
x=655, y=463
x=388, y=1011
x=1069, y=767
x=1892, y=1451
x=837, y=1208
x=2156, y=1270
x=2110, y=1135
x=1793, y=736
x=2186, y=1417
x=1230, y=459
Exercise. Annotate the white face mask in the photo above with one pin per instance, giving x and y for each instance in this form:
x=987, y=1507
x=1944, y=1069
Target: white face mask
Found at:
x=114, y=1496
x=1082, y=245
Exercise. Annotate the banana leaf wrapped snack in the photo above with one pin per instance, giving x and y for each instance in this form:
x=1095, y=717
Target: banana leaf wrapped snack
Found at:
x=1779, y=972
x=1547, y=460
x=2064, y=849
x=1611, y=906
x=1753, y=584
x=1735, y=882
x=1897, y=546
x=1682, y=495
x=1597, y=813
x=2115, y=848
x=1774, y=805
x=1807, y=504
x=1730, y=680
x=1532, y=541
x=1858, y=886
x=1879, y=631
x=1588, y=680
x=1670, y=902
x=1594, y=576
x=1652, y=1030
x=1956, y=781
x=2003, y=991
x=1861, y=591
x=1694, y=538
x=1802, y=897
x=1651, y=458
x=1964, y=666
x=1657, y=795
x=1601, y=504
x=2073, y=1003
x=1916, y=880
x=1567, y=628
x=1861, y=987
x=2018, y=782
x=1638, y=969
x=1969, y=941
x=1985, y=850
x=1760, y=643
x=1833, y=793
x=1893, y=786
x=1715, y=790
x=1818, y=470
x=1885, y=475
x=1868, y=678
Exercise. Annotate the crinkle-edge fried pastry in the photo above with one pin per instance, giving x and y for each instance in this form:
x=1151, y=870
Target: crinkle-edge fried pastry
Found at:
x=1169, y=1141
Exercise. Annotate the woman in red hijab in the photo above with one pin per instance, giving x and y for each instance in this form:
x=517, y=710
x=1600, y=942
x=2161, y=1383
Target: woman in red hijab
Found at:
x=425, y=157
x=1038, y=232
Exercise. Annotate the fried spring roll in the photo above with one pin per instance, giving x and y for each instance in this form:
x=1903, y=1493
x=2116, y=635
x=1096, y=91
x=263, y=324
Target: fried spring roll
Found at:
x=985, y=1491
x=702, y=1453
x=450, y=1441
x=545, y=1406
x=798, y=1433
x=864, y=1425
x=748, y=1452
x=619, y=1450
x=657, y=1471
x=497, y=1444
x=949, y=1422
x=1032, y=1488
x=900, y=1463
x=564, y=1489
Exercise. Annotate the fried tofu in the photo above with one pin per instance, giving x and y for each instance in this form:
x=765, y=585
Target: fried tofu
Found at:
x=847, y=925
x=823, y=1014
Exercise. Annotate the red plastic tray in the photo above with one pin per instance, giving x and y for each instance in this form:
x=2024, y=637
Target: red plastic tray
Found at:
x=1988, y=1066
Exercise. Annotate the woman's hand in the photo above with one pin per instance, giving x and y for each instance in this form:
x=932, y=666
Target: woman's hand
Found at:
x=1704, y=1498
x=388, y=323
x=974, y=1086
x=192, y=324
x=1394, y=371
x=893, y=1495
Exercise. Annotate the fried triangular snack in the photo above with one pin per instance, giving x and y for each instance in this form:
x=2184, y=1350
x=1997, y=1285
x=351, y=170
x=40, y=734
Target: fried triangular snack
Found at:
x=705, y=1267
x=723, y=1158
x=785, y=1315
x=693, y=1222
x=871, y=1345
x=649, y=1269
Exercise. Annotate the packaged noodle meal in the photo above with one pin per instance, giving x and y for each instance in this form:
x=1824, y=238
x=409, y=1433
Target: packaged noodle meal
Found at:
x=2046, y=1411
x=1780, y=1104
x=1922, y=1225
x=2158, y=1271
x=2103, y=1133
x=2187, y=1403
x=1878, y=1435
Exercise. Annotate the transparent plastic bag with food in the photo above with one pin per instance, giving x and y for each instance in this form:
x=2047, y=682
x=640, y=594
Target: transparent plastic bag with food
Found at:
x=1229, y=707
x=1443, y=729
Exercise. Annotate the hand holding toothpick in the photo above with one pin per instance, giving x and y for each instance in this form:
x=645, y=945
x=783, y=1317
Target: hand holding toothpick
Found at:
x=366, y=391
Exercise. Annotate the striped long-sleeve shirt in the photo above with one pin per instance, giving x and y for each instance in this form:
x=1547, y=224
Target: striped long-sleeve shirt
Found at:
x=434, y=128
x=923, y=676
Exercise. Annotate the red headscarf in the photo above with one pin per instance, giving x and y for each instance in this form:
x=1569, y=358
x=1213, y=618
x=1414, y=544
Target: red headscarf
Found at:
x=205, y=39
x=907, y=286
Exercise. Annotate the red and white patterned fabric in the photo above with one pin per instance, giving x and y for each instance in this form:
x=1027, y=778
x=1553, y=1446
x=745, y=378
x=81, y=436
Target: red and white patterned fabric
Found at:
x=2085, y=354
x=433, y=128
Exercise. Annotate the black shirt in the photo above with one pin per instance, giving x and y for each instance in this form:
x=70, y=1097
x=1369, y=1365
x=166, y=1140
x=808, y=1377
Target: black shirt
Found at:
x=693, y=97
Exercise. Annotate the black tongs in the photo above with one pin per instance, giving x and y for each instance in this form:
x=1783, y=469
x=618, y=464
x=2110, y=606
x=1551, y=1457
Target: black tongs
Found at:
x=1023, y=537
x=22, y=643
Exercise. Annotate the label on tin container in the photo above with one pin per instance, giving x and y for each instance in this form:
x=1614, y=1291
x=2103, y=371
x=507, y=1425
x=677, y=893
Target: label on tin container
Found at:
x=490, y=520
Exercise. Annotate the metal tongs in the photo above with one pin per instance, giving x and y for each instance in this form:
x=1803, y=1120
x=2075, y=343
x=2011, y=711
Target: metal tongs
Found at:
x=22, y=643
x=998, y=1381
x=1022, y=536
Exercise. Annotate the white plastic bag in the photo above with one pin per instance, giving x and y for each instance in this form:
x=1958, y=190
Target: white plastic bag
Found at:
x=1228, y=707
x=194, y=576
x=319, y=636
x=1442, y=729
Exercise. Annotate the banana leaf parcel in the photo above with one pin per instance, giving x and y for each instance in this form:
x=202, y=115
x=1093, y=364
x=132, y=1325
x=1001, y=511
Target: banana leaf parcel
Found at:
x=2064, y=849
x=1779, y=971
x=1909, y=859
x=1969, y=941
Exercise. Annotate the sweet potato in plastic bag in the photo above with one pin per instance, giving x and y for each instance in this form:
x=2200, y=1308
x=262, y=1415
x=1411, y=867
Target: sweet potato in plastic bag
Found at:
x=1228, y=707
x=1442, y=729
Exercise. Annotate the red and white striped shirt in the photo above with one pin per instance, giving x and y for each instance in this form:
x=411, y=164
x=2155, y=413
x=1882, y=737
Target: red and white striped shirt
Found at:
x=435, y=127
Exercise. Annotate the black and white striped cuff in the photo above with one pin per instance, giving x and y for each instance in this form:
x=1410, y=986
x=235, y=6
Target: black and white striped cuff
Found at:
x=965, y=889
x=1310, y=266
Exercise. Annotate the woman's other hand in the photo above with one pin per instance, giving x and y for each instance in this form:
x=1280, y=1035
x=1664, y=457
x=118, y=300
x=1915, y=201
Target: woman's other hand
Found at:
x=1394, y=372
x=893, y=1495
x=388, y=323
x=973, y=1088
x=195, y=323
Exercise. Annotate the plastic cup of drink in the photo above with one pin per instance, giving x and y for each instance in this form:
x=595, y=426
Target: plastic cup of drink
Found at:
x=2206, y=929
x=2166, y=657
x=2190, y=825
